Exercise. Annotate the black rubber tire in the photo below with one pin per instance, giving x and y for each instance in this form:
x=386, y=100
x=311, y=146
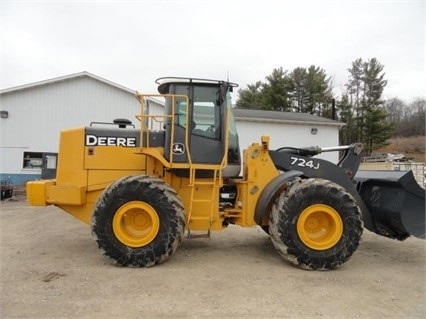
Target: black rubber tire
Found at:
x=287, y=209
x=168, y=207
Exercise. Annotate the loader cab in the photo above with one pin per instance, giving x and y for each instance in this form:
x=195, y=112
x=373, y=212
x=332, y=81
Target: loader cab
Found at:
x=203, y=129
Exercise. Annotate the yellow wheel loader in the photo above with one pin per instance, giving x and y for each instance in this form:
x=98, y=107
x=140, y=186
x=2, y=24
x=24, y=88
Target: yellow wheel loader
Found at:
x=141, y=189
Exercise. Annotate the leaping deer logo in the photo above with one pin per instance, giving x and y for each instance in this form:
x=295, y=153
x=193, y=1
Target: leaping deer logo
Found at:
x=178, y=148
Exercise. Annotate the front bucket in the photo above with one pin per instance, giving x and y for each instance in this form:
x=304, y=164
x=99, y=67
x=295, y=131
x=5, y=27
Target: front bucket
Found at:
x=396, y=202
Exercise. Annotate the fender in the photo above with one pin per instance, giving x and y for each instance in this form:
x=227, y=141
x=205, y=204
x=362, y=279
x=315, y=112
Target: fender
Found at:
x=270, y=192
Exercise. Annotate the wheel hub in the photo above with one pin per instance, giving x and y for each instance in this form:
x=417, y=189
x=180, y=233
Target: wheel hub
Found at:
x=136, y=224
x=319, y=227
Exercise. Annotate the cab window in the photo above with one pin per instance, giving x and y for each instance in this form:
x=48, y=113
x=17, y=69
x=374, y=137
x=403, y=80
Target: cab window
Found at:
x=206, y=115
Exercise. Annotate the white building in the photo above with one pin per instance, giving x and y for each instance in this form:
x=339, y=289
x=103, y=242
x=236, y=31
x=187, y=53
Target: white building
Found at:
x=288, y=129
x=33, y=115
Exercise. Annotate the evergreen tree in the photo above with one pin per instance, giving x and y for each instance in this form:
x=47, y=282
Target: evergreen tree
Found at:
x=275, y=91
x=365, y=88
x=376, y=128
x=298, y=90
x=302, y=90
x=354, y=90
x=348, y=133
x=367, y=117
x=319, y=92
x=250, y=98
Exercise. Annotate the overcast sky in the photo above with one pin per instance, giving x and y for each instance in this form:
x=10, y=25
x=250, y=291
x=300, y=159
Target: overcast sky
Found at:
x=134, y=42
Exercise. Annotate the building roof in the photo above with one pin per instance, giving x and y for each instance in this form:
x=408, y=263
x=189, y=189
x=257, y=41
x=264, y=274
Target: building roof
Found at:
x=65, y=78
x=250, y=115
x=75, y=76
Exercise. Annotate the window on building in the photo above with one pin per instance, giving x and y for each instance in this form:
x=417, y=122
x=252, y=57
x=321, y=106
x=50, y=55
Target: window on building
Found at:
x=32, y=160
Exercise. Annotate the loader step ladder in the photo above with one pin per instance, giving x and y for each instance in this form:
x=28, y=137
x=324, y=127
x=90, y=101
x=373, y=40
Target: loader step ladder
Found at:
x=216, y=182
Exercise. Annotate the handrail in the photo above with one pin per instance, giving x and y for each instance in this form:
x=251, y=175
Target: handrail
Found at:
x=143, y=118
x=144, y=128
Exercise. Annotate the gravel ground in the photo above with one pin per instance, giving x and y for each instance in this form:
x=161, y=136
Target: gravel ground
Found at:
x=51, y=268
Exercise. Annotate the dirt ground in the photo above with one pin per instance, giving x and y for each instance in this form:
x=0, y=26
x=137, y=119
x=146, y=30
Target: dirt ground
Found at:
x=51, y=268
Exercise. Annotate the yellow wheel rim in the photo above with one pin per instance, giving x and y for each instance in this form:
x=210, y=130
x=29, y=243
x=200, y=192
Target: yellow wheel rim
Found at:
x=136, y=224
x=319, y=227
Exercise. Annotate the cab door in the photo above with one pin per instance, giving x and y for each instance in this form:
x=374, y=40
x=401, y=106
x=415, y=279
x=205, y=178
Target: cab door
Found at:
x=201, y=120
